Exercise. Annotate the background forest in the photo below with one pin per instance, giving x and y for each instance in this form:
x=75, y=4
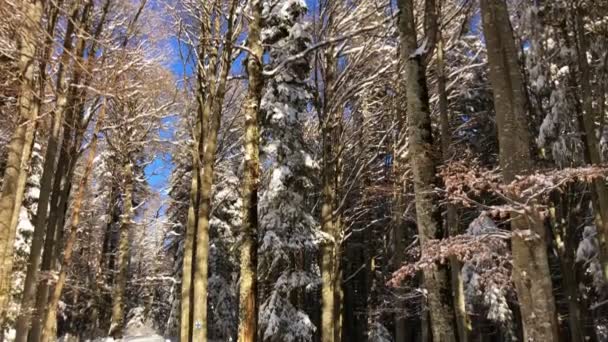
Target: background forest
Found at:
x=304, y=170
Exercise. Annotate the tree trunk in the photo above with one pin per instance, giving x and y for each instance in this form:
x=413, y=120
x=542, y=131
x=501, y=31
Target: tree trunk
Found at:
x=46, y=184
x=331, y=281
x=531, y=273
x=248, y=304
x=186, y=291
x=451, y=221
x=51, y=257
x=49, y=329
x=566, y=219
x=57, y=211
x=593, y=156
x=329, y=317
x=42, y=292
x=403, y=326
x=120, y=285
x=20, y=147
x=435, y=279
x=213, y=111
x=398, y=257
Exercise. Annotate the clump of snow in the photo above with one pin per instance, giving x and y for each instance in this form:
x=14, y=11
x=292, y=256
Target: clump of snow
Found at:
x=483, y=224
x=137, y=324
x=379, y=333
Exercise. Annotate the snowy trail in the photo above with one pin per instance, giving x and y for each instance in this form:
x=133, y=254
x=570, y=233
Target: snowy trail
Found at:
x=150, y=338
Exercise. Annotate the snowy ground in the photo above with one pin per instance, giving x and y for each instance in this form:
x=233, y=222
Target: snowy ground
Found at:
x=147, y=338
x=151, y=338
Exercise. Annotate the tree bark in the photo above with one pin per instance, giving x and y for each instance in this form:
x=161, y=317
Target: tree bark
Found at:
x=588, y=118
x=42, y=292
x=248, y=304
x=46, y=183
x=213, y=111
x=57, y=211
x=51, y=257
x=20, y=146
x=451, y=220
x=565, y=217
x=186, y=291
x=50, y=320
x=331, y=281
x=120, y=285
x=436, y=278
x=531, y=273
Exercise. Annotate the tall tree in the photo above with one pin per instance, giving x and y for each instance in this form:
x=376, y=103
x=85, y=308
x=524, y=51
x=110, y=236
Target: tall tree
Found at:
x=587, y=118
x=287, y=227
x=191, y=224
x=73, y=131
x=213, y=67
x=49, y=329
x=423, y=163
x=54, y=144
x=248, y=302
x=20, y=145
x=451, y=215
x=531, y=273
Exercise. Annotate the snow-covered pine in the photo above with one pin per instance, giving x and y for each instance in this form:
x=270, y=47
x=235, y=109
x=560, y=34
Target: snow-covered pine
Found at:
x=288, y=230
x=547, y=57
x=223, y=261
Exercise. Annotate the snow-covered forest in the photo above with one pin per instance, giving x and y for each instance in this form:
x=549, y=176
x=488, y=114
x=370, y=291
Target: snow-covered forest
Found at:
x=304, y=170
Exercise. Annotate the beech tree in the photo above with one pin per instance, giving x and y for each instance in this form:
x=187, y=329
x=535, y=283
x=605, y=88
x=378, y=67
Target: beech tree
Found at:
x=531, y=273
x=20, y=145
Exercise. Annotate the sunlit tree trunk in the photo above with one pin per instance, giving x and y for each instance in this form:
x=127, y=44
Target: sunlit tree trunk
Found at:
x=59, y=197
x=213, y=111
x=49, y=328
x=531, y=273
x=74, y=129
x=120, y=284
x=49, y=171
x=331, y=282
x=436, y=278
x=186, y=290
x=20, y=146
x=56, y=221
x=248, y=304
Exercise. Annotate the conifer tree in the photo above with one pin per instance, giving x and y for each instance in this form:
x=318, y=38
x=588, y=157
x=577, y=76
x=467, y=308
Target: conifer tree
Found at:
x=288, y=230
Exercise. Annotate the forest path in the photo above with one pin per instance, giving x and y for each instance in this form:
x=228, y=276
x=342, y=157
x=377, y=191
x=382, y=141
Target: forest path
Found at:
x=149, y=338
